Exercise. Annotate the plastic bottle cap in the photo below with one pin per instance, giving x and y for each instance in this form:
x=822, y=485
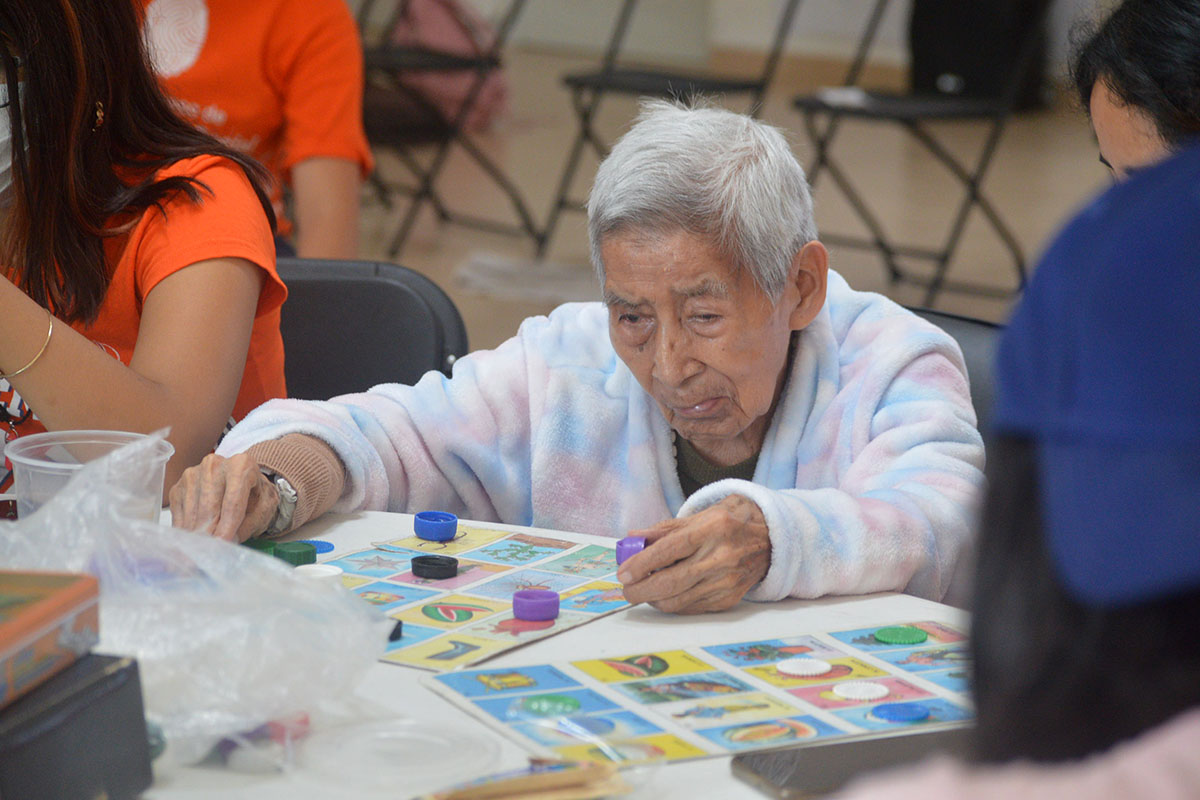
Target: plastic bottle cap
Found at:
x=860, y=690
x=900, y=634
x=296, y=553
x=435, y=526
x=803, y=667
x=262, y=545
x=434, y=567
x=533, y=605
x=629, y=547
x=326, y=573
x=901, y=712
x=321, y=545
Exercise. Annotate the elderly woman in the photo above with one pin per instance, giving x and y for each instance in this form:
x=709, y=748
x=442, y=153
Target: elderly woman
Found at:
x=771, y=431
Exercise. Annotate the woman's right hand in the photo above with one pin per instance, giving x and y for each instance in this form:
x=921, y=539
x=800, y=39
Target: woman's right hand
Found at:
x=227, y=497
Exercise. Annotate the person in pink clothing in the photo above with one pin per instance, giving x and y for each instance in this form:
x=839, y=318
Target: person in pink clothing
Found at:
x=1087, y=594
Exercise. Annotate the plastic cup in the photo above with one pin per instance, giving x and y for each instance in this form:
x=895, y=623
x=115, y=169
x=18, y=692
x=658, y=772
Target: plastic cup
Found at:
x=42, y=464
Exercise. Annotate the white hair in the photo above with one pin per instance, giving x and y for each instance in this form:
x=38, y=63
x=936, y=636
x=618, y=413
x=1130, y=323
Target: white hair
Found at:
x=712, y=172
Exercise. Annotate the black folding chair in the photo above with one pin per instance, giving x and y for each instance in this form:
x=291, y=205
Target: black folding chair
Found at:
x=587, y=89
x=978, y=339
x=350, y=325
x=397, y=118
x=912, y=111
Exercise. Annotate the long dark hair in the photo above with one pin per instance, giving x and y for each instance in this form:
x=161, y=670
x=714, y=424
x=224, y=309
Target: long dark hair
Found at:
x=89, y=131
x=1148, y=54
x=1056, y=680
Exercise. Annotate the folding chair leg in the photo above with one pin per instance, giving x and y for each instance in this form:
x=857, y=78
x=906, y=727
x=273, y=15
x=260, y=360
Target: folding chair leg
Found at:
x=585, y=136
x=972, y=182
x=505, y=184
x=874, y=226
x=857, y=64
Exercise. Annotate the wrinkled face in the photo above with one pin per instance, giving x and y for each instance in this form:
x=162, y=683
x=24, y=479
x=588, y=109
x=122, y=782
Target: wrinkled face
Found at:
x=701, y=339
x=1127, y=136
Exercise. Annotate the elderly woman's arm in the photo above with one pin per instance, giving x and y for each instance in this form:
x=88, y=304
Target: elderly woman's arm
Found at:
x=460, y=446
x=903, y=511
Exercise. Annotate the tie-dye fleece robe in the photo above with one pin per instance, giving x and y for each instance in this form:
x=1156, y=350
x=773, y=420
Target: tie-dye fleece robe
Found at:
x=868, y=476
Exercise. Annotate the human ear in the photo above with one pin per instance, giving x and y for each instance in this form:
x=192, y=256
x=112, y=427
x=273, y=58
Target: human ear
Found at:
x=809, y=277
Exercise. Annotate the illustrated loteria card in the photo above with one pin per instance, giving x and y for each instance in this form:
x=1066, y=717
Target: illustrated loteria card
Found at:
x=597, y=597
x=843, y=668
x=468, y=538
x=413, y=634
x=503, y=587
x=716, y=711
x=546, y=705
x=770, y=733
x=956, y=680
x=769, y=651
x=388, y=596
x=353, y=581
x=375, y=563
x=646, y=748
x=825, y=697
x=446, y=652
x=519, y=548
x=683, y=687
x=586, y=728
x=452, y=611
x=649, y=665
x=513, y=680
x=468, y=572
x=927, y=658
x=512, y=631
x=864, y=638
x=592, y=561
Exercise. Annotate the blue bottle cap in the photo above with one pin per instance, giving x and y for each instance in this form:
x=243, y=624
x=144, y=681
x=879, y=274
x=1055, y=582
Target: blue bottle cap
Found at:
x=435, y=526
x=901, y=712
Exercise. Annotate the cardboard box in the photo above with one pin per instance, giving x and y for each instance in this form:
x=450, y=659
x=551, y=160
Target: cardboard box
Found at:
x=47, y=621
x=81, y=735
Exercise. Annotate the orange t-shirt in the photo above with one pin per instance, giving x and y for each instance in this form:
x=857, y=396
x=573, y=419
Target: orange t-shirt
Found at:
x=281, y=80
x=229, y=222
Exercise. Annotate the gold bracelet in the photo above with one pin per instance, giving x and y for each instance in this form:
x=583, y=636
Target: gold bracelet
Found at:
x=45, y=344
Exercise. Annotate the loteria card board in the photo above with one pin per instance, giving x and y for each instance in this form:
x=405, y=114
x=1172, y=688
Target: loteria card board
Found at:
x=457, y=622
x=722, y=699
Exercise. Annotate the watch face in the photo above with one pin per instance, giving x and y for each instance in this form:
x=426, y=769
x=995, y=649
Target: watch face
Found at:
x=287, y=504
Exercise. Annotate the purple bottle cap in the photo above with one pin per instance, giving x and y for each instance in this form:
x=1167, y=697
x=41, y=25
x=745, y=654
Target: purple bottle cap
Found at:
x=629, y=546
x=435, y=526
x=533, y=605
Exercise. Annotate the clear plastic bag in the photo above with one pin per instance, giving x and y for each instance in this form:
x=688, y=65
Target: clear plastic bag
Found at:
x=227, y=639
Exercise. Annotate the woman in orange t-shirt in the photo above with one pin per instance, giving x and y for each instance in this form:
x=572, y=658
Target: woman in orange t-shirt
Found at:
x=141, y=290
x=281, y=80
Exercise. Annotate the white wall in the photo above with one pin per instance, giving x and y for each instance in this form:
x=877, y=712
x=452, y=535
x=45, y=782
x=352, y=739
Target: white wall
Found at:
x=689, y=30
x=832, y=27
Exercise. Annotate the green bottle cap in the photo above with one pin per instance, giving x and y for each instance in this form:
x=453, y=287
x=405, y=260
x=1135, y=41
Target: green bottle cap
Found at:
x=296, y=553
x=900, y=634
x=263, y=545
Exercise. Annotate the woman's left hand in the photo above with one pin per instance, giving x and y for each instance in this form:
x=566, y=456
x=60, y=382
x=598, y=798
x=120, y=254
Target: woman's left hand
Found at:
x=703, y=562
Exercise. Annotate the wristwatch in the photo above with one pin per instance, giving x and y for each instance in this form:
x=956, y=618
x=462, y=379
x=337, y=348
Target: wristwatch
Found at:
x=287, y=503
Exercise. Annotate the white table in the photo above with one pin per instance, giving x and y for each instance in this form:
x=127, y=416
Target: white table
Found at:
x=641, y=628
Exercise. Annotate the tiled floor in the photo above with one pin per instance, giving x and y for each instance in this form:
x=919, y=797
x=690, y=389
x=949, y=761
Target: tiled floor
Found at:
x=1045, y=167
